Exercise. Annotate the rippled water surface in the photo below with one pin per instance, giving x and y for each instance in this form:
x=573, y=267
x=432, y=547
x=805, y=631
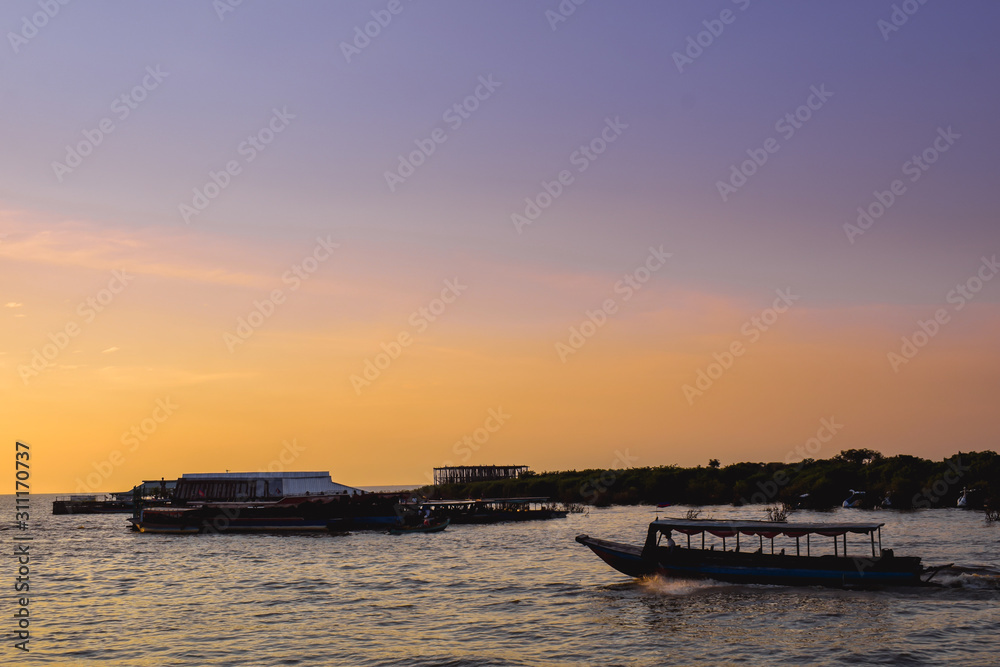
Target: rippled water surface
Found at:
x=510, y=594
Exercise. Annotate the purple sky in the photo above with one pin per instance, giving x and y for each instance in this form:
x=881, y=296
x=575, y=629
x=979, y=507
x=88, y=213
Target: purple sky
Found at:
x=607, y=59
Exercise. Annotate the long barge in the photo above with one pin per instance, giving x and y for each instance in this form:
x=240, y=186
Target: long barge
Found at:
x=493, y=510
x=265, y=502
x=112, y=503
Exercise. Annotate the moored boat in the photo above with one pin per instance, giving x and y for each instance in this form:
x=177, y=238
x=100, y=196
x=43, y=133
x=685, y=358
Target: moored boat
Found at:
x=110, y=503
x=492, y=510
x=153, y=493
x=265, y=502
x=747, y=564
x=434, y=527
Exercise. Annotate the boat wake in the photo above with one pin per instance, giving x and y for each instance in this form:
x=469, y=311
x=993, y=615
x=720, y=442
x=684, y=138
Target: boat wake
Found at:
x=982, y=578
x=676, y=587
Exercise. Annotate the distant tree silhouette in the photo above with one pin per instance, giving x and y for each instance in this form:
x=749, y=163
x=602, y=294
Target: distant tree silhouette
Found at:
x=812, y=483
x=859, y=456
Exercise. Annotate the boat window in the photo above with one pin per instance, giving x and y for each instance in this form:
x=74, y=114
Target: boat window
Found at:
x=861, y=545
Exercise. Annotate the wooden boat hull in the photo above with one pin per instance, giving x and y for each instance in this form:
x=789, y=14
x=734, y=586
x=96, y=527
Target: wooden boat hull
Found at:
x=506, y=516
x=341, y=524
x=754, y=568
x=236, y=525
x=165, y=529
x=405, y=530
x=625, y=558
x=275, y=518
x=92, y=507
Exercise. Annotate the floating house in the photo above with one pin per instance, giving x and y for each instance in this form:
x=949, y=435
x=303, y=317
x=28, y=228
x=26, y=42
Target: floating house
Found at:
x=258, y=486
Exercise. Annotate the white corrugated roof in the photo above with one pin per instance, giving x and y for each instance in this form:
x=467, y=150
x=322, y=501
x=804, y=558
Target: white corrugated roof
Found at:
x=253, y=475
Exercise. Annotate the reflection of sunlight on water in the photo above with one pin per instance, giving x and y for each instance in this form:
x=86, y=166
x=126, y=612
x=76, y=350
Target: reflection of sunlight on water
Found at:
x=675, y=587
x=522, y=593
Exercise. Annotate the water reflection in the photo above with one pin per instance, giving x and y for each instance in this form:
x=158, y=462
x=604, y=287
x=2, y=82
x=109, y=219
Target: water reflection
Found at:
x=509, y=594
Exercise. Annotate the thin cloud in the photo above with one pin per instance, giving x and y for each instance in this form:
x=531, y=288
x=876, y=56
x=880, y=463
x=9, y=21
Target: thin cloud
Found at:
x=149, y=251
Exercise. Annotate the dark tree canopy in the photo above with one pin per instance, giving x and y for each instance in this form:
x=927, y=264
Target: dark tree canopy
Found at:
x=907, y=481
x=859, y=456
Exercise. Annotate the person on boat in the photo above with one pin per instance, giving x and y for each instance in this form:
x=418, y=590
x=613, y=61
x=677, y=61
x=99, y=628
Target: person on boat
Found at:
x=670, y=542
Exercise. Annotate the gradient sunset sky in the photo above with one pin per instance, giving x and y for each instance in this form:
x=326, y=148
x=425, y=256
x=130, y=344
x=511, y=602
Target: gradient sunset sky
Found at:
x=620, y=100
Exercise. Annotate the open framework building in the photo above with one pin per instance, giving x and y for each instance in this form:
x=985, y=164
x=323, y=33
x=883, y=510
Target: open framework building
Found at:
x=469, y=474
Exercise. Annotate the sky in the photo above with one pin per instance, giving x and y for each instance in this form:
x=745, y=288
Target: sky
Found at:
x=380, y=237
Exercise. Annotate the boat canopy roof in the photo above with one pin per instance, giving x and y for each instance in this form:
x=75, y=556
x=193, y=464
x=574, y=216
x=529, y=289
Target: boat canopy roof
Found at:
x=723, y=528
x=512, y=501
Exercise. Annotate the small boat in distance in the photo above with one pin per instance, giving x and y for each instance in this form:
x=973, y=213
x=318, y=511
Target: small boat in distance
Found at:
x=435, y=527
x=745, y=564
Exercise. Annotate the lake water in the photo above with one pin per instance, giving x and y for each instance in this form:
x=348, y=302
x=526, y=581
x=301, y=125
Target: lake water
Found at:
x=508, y=594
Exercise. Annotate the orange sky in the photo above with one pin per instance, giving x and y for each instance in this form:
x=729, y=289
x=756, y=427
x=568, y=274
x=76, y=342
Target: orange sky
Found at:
x=162, y=339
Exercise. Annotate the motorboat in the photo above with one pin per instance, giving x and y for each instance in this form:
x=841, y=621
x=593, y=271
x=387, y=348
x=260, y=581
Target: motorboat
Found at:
x=748, y=561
